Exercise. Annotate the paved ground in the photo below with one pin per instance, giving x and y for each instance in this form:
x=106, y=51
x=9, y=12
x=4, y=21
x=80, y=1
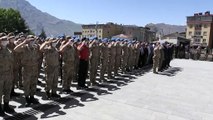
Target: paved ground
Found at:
x=183, y=92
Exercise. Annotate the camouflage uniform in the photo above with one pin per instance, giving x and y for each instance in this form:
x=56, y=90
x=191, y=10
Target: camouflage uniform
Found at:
x=112, y=55
x=104, y=60
x=130, y=51
x=118, y=57
x=161, y=58
x=30, y=56
x=156, y=58
x=68, y=57
x=94, y=60
x=124, y=57
x=51, y=57
x=6, y=73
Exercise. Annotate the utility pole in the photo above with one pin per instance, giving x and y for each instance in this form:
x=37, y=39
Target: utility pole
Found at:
x=96, y=29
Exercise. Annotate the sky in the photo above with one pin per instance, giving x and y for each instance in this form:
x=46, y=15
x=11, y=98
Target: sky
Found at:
x=128, y=12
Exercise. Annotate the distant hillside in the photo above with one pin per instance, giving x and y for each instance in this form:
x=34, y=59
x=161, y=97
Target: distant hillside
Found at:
x=166, y=28
x=37, y=19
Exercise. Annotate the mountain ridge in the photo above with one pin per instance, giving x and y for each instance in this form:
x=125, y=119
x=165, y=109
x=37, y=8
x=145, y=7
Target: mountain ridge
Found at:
x=38, y=20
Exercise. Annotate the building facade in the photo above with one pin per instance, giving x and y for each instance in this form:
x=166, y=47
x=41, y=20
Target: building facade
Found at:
x=110, y=29
x=200, y=29
x=101, y=30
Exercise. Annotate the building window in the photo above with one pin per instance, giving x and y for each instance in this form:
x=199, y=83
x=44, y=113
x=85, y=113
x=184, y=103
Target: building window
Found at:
x=205, y=25
x=190, y=26
x=204, y=40
x=204, y=33
x=198, y=33
x=197, y=40
x=99, y=31
x=99, y=36
x=190, y=33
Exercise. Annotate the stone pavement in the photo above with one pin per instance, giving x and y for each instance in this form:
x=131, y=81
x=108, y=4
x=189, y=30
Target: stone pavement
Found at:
x=183, y=92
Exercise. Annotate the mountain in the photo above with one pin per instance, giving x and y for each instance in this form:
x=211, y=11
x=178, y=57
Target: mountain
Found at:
x=165, y=29
x=38, y=20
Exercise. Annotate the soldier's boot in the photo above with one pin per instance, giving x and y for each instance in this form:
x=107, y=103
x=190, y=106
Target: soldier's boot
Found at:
x=28, y=103
x=13, y=93
x=33, y=100
x=55, y=95
x=7, y=108
x=1, y=111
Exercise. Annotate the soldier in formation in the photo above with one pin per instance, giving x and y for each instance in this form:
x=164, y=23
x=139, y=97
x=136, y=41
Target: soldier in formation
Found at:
x=23, y=57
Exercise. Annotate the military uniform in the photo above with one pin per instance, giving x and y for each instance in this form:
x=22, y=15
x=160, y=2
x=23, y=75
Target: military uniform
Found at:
x=118, y=57
x=51, y=57
x=112, y=55
x=68, y=57
x=161, y=58
x=104, y=59
x=129, y=62
x=6, y=78
x=11, y=47
x=30, y=56
x=124, y=57
x=94, y=60
x=156, y=58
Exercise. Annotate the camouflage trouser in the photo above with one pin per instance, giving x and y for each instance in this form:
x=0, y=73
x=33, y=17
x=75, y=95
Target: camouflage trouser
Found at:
x=124, y=64
x=15, y=77
x=112, y=66
x=117, y=64
x=155, y=64
x=129, y=61
x=133, y=61
x=5, y=86
x=103, y=68
x=68, y=75
x=30, y=78
x=52, y=73
x=93, y=69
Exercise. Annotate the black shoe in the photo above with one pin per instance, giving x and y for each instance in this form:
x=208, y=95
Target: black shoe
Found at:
x=28, y=103
x=1, y=112
x=33, y=100
x=67, y=90
x=7, y=108
x=55, y=95
x=85, y=87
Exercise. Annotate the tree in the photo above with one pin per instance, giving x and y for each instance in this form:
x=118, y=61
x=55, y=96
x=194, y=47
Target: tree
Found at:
x=43, y=34
x=11, y=21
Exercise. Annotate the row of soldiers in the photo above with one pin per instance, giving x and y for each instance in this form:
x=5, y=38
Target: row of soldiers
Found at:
x=163, y=54
x=22, y=58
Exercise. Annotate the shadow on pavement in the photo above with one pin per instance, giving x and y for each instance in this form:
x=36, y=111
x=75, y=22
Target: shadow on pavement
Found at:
x=53, y=108
x=172, y=71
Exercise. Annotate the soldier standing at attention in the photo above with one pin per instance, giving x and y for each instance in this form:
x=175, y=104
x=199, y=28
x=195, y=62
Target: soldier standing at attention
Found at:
x=104, y=50
x=112, y=55
x=11, y=47
x=68, y=56
x=29, y=61
x=118, y=57
x=156, y=57
x=51, y=57
x=124, y=56
x=6, y=75
x=94, y=57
